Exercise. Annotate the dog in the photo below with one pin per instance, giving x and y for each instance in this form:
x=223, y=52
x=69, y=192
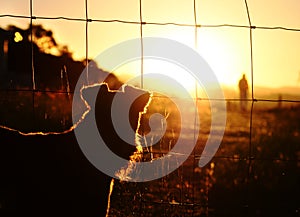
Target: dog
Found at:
x=48, y=175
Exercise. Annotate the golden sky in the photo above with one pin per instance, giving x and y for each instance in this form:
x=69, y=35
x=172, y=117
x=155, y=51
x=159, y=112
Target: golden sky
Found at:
x=227, y=50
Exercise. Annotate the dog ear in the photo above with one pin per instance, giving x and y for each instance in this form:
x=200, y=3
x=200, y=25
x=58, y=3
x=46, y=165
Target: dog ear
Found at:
x=143, y=96
x=90, y=93
x=104, y=88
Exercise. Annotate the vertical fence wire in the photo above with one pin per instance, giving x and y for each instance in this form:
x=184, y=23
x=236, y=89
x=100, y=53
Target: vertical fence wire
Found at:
x=195, y=133
x=250, y=154
x=251, y=48
x=32, y=63
x=142, y=43
x=32, y=51
x=87, y=41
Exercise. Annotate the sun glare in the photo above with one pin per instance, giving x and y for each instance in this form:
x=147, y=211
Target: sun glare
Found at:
x=221, y=49
x=216, y=51
x=213, y=50
x=174, y=72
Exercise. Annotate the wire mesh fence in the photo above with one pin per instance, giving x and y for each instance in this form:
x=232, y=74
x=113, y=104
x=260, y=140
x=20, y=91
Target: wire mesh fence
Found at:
x=257, y=161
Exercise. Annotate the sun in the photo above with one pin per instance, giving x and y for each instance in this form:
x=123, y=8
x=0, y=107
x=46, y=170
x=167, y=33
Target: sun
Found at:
x=222, y=49
x=212, y=48
x=158, y=75
x=215, y=48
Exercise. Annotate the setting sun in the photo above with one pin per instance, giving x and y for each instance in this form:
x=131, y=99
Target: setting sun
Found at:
x=159, y=67
x=226, y=49
x=219, y=50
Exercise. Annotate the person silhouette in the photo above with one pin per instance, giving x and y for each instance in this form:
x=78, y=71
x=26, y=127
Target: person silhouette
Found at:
x=243, y=87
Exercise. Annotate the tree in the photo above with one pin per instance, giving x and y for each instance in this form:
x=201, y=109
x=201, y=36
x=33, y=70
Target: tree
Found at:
x=46, y=42
x=43, y=39
x=52, y=63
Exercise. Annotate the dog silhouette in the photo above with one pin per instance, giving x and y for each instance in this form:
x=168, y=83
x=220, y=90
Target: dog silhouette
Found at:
x=50, y=176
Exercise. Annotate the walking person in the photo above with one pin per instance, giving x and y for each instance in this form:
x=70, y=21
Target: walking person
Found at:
x=243, y=87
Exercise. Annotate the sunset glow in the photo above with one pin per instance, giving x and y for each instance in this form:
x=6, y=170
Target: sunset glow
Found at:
x=226, y=49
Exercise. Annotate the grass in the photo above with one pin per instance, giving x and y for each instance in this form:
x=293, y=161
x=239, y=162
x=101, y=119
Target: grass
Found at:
x=232, y=184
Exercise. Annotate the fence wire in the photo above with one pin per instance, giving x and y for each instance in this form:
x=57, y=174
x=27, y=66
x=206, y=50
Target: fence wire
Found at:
x=250, y=156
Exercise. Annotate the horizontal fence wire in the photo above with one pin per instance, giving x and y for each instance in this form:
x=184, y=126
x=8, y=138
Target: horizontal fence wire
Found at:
x=151, y=23
x=161, y=96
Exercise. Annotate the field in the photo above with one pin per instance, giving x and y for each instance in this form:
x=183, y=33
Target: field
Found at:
x=257, y=178
x=255, y=172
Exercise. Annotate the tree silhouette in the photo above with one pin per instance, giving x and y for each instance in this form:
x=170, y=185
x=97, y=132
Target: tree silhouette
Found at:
x=43, y=38
x=53, y=64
